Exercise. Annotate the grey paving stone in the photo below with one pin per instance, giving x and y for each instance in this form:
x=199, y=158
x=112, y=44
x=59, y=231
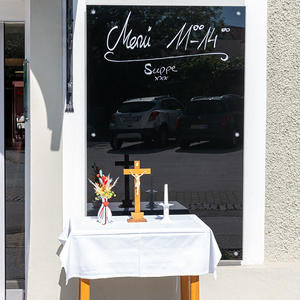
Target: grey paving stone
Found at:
x=223, y=207
x=207, y=206
x=214, y=206
x=238, y=206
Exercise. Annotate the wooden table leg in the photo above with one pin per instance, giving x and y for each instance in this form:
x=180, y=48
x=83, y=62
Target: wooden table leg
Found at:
x=84, y=289
x=189, y=286
x=185, y=287
x=194, y=287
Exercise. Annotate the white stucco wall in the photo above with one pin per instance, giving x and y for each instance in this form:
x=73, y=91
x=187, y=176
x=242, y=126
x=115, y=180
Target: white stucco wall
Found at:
x=282, y=230
x=12, y=10
x=44, y=53
x=270, y=281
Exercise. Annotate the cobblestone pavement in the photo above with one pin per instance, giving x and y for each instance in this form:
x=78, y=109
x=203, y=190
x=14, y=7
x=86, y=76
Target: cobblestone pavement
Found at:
x=203, y=200
x=226, y=200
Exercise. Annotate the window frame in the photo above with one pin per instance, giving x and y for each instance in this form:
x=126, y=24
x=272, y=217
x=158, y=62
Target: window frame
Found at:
x=74, y=131
x=2, y=167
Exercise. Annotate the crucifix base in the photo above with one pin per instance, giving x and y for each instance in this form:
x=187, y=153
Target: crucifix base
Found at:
x=137, y=217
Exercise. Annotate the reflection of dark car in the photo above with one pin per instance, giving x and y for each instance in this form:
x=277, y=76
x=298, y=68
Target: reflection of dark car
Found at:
x=211, y=119
x=145, y=119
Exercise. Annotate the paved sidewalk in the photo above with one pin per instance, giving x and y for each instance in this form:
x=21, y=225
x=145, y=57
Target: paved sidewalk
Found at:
x=15, y=194
x=15, y=240
x=15, y=256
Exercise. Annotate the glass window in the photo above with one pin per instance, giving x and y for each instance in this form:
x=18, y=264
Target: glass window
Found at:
x=184, y=52
x=136, y=107
x=14, y=153
x=235, y=104
x=204, y=107
x=175, y=105
x=166, y=104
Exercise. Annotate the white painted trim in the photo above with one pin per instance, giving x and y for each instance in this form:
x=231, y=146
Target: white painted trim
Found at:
x=168, y=2
x=2, y=168
x=255, y=119
x=74, y=125
x=27, y=146
x=255, y=132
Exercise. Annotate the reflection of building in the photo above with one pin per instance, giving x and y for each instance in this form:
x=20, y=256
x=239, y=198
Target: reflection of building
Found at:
x=232, y=42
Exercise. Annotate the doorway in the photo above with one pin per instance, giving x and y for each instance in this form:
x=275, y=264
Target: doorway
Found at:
x=13, y=151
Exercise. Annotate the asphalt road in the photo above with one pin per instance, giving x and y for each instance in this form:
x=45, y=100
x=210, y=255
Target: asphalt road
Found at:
x=202, y=167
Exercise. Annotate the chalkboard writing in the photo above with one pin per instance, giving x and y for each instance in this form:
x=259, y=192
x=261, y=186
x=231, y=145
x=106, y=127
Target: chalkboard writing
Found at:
x=138, y=51
x=128, y=39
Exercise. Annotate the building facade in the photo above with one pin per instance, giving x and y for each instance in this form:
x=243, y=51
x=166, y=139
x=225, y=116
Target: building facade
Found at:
x=55, y=151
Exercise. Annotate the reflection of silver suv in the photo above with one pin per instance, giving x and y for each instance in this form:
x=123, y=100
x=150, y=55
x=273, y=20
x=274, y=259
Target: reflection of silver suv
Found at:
x=145, y=119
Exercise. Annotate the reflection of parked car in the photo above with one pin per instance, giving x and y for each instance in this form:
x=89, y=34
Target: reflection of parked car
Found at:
x=145, y=119
x=211, y=118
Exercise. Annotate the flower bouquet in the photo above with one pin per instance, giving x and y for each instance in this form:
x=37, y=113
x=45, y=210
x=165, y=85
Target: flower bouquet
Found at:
x=96, y=174
x=103, y=188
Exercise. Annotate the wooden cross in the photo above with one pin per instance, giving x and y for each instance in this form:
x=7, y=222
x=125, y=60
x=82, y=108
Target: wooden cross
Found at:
x=126, y=164
x=137, y=173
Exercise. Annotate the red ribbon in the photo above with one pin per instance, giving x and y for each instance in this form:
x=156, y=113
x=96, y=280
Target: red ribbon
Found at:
x=105, y=180
x=104, y=206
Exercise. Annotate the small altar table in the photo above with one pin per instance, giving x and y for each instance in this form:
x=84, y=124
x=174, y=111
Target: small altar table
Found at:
x=185, y=247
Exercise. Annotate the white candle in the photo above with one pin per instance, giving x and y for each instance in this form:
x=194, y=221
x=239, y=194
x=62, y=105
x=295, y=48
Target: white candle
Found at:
x=166, y=194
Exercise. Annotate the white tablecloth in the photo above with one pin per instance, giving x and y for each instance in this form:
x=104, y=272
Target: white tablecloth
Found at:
x=185, y=246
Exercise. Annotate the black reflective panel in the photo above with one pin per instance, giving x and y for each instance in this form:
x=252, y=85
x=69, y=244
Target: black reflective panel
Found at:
x=208, y=107
x=14, y=49
x=136, y=52
x=136, y=107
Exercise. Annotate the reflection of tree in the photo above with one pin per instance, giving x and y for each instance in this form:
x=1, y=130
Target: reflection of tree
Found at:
x=164, y=21
x=111, y=83
x=209, y=76
x=14, y=41
x=14, y=48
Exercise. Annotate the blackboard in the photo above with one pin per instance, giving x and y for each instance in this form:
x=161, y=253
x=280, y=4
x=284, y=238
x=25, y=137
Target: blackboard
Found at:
x=184, y=52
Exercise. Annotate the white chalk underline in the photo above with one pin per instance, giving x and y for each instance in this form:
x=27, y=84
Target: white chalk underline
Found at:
x=164, y=58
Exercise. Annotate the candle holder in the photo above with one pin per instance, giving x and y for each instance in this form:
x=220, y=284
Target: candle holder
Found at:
x=166, y=205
